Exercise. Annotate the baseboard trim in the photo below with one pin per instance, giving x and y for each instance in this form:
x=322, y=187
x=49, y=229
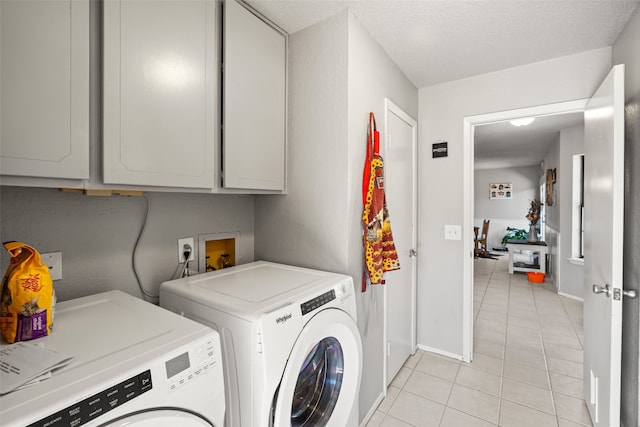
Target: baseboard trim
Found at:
x=373, y=409
x=571, y=296
x=440, y=352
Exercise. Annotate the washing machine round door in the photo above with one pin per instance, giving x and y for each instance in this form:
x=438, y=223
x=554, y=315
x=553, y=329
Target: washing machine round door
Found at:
x=321, y=380
x=160, y=417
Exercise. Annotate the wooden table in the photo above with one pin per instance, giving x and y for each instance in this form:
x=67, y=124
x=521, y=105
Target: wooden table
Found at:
x=540, y=248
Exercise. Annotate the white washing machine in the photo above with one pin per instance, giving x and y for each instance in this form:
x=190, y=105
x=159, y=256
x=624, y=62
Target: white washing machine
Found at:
x=291, y=349
x=134, y=364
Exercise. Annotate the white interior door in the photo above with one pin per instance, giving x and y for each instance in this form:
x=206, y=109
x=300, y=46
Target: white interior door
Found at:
x=399, y=153
x=604, y=216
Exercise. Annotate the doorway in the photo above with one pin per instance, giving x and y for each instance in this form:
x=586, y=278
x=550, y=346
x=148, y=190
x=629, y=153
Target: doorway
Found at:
x=469, y=198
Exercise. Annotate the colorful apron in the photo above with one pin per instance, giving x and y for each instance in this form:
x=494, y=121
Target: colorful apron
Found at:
x=380, y=253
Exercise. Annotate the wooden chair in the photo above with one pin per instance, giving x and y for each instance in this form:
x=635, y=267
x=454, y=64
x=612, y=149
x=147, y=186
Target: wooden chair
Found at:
x=481, y=241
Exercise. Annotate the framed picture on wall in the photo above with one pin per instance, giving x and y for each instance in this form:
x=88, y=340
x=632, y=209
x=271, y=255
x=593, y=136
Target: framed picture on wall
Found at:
x=500, y=191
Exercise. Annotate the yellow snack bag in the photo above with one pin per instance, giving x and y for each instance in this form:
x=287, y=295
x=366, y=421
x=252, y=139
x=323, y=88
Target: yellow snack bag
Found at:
x=27, y=298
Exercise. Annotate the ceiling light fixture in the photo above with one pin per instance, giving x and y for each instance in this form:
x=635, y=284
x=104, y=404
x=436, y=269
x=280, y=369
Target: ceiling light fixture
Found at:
x=523, y=122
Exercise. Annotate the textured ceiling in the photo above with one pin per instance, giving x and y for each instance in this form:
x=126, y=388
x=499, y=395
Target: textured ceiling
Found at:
x=438, y=41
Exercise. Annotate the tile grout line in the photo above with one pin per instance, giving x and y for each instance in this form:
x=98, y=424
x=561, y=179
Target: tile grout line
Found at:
x=546, y=363
x=504, y=349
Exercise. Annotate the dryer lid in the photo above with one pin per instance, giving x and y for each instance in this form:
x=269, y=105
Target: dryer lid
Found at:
x=248, y=290
x=262, y=282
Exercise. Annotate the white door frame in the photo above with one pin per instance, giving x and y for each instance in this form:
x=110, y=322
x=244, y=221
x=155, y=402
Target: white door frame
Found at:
x=389, y=106
x=468, y=200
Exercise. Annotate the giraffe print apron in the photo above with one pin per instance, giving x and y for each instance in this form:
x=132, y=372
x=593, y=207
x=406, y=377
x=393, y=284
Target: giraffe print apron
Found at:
x=380, y=253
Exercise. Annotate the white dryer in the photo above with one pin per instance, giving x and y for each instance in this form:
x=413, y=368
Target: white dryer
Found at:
x=135, y=364
x=291, y=348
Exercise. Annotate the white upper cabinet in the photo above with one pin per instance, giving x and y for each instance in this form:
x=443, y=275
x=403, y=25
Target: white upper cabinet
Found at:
x=159, y=93
x=44, y=88
x=254, y=101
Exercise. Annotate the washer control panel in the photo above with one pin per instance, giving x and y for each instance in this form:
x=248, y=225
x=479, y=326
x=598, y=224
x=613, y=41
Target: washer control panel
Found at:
x=99, y=404
x=193, y=363
x=317, y=302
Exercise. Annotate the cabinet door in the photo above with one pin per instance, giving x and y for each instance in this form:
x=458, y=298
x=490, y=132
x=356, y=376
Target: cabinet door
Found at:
x=254, y=99
x=44, y=88
x=159, y=93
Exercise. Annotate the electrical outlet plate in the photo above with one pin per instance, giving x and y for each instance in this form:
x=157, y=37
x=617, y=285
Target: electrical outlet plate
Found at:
x=53, y=260
x=181, y=243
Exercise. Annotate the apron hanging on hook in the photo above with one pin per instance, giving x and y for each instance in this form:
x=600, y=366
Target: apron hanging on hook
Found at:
x=380, y=253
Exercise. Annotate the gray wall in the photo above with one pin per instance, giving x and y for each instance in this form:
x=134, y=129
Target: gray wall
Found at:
x=372, y=78
x=504, y=213
x=442, y=111
x=626, y=51
x=96, y=235
x=301, y=227
x=338, y=74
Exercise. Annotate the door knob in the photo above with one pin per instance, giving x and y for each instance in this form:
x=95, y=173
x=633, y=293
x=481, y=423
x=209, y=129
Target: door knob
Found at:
x=630, y=293
x=606, y=289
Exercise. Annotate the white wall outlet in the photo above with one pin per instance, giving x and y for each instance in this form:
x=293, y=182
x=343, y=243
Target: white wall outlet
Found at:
x=181, y=243
x=452, y=232
x=53, y=260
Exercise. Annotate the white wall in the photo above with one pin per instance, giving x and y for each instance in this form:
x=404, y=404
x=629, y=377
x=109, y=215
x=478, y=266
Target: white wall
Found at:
x=552, y=161
x=553, y=232
x=442, y=110
x=338, y=74
x=504, y=213
x=625, y=51
x=571, y=280
x=97, y=234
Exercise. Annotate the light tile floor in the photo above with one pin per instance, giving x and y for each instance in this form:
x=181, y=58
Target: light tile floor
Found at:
x=527, y=367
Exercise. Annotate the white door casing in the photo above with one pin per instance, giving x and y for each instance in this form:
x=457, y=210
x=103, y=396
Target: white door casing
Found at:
x=603, y=248
x=400, y=157
x=468, y=199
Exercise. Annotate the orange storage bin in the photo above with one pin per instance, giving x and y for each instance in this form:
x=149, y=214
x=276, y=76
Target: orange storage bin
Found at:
x=535, y=277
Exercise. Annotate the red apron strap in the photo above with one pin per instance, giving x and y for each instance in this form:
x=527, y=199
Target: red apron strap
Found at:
x=376, y=135
x=373, y=143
